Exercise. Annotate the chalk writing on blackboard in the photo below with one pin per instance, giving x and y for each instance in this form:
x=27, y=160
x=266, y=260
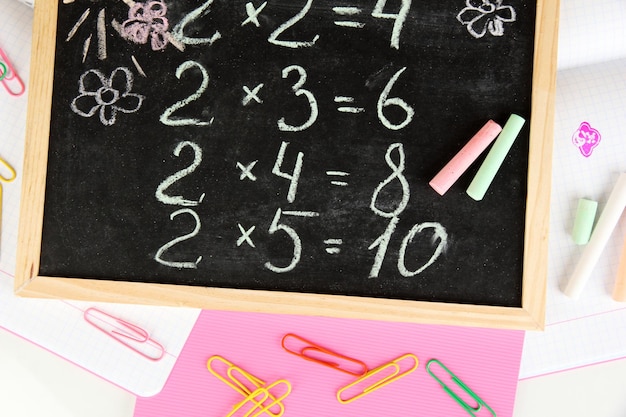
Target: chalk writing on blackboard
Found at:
x=166, y=117
x=147, y=22
x=486, y=15
x=180, y=200
x=109, y=95
x=287, y=145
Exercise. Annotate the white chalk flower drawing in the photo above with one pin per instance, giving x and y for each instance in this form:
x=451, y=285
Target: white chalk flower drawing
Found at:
x=481, y=16
x=106, y=96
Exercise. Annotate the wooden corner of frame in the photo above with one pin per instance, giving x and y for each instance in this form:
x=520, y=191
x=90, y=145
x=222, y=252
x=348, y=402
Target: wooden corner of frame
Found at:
x=24, y=278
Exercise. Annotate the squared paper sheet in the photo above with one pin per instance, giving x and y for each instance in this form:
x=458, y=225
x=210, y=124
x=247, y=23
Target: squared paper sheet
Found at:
x=58, y=326
x=591, y=329
x=590, y=32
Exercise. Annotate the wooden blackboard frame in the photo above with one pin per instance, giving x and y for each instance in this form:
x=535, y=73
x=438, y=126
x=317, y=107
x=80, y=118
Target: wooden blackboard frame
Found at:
x=530, y=315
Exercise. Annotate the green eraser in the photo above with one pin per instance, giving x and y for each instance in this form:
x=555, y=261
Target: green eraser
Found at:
x=490, y=166
x=585, y=216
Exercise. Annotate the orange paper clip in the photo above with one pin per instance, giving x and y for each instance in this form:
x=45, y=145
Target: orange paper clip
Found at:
x=253, y=406
x=128, y=334
x=315, y=353
x=9, y=78
x=362, y=387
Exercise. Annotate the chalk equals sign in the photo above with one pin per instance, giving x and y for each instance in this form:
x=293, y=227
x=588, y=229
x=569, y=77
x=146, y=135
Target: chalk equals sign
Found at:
x=347, y=108
x=338, y=174
x=333, y=246
x=348, y=11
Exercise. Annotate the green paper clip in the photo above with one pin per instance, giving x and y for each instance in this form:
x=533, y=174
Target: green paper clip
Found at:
x=471, y=410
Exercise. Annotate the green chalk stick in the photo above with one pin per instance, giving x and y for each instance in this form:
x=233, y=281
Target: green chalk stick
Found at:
x=585, y=216
x=490, y=166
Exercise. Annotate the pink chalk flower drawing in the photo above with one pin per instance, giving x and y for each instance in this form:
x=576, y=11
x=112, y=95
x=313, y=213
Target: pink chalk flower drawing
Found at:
x=106, y=96
x=481, y=16
x=586, y=138
x=147, y=21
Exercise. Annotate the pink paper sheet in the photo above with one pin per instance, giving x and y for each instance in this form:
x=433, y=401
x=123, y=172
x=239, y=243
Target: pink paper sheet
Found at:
x=486, y=360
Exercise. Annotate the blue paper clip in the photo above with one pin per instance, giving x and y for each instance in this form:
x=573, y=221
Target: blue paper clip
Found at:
x=471, y=410
x=9, y=78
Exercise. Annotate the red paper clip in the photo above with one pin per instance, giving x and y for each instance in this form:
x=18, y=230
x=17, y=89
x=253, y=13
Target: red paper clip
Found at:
x=128, y=334
x=315, y=353
x=9, y=78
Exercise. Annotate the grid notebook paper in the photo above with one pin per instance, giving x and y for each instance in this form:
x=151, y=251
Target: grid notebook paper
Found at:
x=591, y=329
x=59, y=326
x=591, y=32
x=591, y=88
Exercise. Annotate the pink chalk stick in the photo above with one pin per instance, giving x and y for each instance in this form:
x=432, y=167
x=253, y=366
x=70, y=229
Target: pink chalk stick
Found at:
x=464, y=158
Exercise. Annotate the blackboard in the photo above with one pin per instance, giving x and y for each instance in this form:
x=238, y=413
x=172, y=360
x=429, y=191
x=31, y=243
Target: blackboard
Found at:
x=284, y=149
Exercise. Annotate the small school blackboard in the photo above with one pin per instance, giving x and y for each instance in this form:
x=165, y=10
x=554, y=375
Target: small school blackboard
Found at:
x=275, y=156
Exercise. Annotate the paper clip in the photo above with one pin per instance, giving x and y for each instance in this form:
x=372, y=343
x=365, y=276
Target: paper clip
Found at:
x=396, y=374
x=233, y=381
x=11, y=170
x=335, y=360
x=239, y=385
x=128, y=334
x=10, y=178
x=9, y=78
x=260, y=403
x=471, y=410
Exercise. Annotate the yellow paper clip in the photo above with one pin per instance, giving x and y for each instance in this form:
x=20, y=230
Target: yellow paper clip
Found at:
x=239, y=383
x=10, y=169
x=396, y=373
x=324, y=357
x=471, y=410
x=10, y=178
x=233, y=381
x=258, y=406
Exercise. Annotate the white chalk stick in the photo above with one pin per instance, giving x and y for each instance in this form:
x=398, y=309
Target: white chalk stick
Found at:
x=601, y=234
